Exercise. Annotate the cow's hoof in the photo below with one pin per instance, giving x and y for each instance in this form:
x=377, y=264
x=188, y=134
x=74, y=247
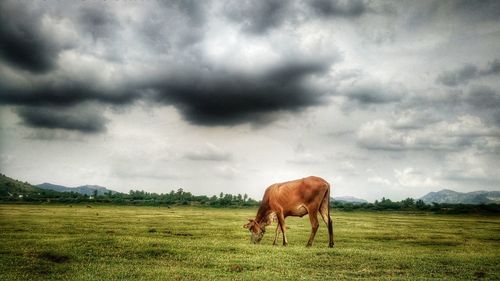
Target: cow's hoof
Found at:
x=331, y=245
x=308, y=245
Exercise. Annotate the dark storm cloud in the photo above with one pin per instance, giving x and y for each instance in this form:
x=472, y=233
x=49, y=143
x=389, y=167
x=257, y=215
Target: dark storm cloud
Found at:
x=483, y=97
x=194, y=10
x=493, y=68
x=85, y=121
x=98, y=21
x=205, y=92
x=172, y=26
x=228, y=98
x=487, y=10
x=485, y=102
x=468, y=72
x=459, y=76
x=63, y=92
x=468, y=12
x=337, y=8
x=371, y=95
x=22, y=43
x=441, y=104
x=496, y=118
x=364, y=94
x=203, y=97
x=258, y=16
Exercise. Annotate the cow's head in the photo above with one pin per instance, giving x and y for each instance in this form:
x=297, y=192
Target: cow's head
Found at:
x=256, y=230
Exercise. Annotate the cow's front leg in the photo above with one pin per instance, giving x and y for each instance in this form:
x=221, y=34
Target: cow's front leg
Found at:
x=281, y=221
x=277, y=233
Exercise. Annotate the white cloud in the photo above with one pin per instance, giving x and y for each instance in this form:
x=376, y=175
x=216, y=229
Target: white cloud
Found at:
x=208, y=152
x=305, y=158
x=379, y=180
x=464, y=131
x=408, y=177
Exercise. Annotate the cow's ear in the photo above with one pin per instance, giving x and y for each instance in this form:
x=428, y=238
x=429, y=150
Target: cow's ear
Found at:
x=249, y=224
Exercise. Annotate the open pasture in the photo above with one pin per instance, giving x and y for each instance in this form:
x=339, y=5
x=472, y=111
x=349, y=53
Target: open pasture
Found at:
x=47, y=242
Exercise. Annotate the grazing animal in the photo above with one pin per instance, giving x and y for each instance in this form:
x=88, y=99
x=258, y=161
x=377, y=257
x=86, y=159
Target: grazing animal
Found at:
x=293, y=198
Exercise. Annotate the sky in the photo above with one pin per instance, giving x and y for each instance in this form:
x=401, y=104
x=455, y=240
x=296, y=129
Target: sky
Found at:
x=380, y=98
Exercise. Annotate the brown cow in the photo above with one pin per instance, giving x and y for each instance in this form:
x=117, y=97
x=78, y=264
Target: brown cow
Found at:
x=293, y=198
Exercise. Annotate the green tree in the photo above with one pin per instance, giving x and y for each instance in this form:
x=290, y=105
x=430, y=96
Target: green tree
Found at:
x=408, y=203
x=420, y=204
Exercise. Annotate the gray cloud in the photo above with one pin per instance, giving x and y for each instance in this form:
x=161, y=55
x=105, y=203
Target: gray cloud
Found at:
x=176, y=72
x=373, y=94
x=493, y=68
x=483, y=97
x=194, y=10
x=439, y=104
x=22, y=42
x=460, y=76
x=202, y=98
x=205, y=98
x=64, y=91
x=468, y=72
x=258, y=16
x=229, y=98
x=487, y=10
x=339, y=8
x=367, y=93
x=485, y=102
x=82, y=119
x=172, y=25
x=99, y=21
x=209, y=152
x=454, y=135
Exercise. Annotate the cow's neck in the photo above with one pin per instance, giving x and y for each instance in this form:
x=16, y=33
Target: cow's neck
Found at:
x=263, y=214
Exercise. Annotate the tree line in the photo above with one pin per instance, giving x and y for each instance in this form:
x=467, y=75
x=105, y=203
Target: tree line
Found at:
x=410, y=204
x=134, y=197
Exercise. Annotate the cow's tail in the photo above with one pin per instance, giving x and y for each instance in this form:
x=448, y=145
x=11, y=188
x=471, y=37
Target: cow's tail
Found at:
x=330, y=223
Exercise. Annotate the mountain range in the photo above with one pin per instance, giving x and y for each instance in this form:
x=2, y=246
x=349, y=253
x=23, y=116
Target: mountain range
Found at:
x=349, y=199
x=11, y=187
x=83, y=189
x=454, y=197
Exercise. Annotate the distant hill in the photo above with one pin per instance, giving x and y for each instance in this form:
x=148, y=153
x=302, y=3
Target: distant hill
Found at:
x=349, y=199
x=12, y=187
x=454, y=197
x=84, y=189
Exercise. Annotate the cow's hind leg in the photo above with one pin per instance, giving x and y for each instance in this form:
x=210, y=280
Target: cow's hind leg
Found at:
x=313, y=217
x=325, y=214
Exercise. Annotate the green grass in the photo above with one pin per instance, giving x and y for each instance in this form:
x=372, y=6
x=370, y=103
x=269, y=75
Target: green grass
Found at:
x=46, y=242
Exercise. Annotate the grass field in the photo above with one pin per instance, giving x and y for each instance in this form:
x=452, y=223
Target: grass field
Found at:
x=45, y=242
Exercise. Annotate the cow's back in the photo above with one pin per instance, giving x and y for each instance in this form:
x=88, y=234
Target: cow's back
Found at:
x=293, y=193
